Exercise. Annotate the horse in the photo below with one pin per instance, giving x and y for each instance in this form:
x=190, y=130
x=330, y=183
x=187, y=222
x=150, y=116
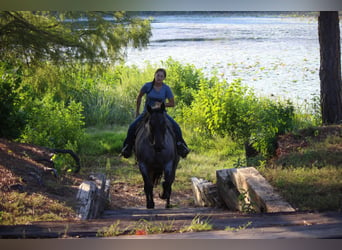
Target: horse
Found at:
x=156, y=153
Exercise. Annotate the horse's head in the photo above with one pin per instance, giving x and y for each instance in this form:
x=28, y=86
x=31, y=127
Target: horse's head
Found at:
x=157, y=124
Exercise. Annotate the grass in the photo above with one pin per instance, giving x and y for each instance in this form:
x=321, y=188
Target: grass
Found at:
x=144, y=227
x=103, y=141
x=308, y=189
x=140, y=227
x=236, y=229
x=309, y=178
x=198, y=224
x=99, y=154
x=112, y=230
x=21, y=208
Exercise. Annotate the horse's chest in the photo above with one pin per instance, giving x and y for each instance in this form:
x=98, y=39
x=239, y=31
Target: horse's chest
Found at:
x=157, y=160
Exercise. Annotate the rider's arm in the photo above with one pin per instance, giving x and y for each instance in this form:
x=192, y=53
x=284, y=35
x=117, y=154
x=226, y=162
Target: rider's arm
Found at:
x=170, y=103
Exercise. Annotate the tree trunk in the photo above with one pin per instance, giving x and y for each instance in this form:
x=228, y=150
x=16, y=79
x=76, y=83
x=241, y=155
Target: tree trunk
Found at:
x=330, y=69
x=250, y=152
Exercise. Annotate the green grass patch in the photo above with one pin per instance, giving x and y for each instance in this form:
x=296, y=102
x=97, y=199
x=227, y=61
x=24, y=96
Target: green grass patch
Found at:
x=22, y=208
x=103, y=141
x=308, y=189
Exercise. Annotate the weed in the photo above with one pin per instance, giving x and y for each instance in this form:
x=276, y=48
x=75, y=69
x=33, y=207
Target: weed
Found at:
x=112, y=230
x=240, y=163
x=246, y=205
x=140, y=227
x=236, y=229
x=150, y=227
x=66, y=229
x=198, y=224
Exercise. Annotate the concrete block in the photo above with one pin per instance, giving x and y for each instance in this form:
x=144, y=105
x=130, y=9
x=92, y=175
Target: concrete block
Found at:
x=92, y=197
x=205, y=193
x=246, y=189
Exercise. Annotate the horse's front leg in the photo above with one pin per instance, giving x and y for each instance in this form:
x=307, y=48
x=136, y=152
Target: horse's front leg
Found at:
x=169, y=176
x=148, y=186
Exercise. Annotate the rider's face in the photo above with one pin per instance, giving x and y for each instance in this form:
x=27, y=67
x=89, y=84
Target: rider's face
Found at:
x=159, y=77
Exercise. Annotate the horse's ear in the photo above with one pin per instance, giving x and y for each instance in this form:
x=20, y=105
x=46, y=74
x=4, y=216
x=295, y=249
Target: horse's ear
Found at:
x=163, y=106
x=149, y=109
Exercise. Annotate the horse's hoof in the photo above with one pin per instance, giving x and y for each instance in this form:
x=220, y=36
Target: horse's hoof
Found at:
x=163, y=196
x=150, y=205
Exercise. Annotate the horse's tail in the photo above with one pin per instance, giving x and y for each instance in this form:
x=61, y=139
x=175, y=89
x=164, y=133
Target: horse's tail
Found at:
x=157, y=175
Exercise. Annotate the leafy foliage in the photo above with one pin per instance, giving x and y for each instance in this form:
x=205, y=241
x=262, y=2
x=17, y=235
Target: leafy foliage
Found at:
x=183, y=79
x=208, y=107
x=12, y=119
x=232, y=109
x=94, y=36
x=54, y=124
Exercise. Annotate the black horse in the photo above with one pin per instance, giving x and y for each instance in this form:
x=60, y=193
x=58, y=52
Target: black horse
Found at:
x=156, y=153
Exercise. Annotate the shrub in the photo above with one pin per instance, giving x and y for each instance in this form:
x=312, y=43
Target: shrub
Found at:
x=232, y=109
x=12, y=119
x=54, y=124
x=183, y=79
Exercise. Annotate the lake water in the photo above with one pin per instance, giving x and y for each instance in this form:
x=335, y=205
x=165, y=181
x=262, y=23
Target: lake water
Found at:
x=278, y=56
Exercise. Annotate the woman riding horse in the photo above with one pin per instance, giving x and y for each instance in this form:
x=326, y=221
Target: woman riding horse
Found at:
x=157, y=92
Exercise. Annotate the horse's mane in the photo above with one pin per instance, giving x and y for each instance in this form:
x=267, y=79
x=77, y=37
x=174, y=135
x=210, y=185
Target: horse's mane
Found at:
x=146, y=117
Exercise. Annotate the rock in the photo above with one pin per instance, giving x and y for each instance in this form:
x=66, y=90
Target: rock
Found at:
x=245, y=189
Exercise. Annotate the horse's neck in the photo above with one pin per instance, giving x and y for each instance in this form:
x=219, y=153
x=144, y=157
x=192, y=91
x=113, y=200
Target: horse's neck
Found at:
x=143, y=127
x=169, y=127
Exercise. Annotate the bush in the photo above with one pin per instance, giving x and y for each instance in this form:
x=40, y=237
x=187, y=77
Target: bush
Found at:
x=54, y=124
x=12, y=119
x=232, y=109
x=183, y=79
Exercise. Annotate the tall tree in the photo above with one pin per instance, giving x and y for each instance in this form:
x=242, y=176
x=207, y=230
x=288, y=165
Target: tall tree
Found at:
x=30, y=40
x=330, y=69
x=93, y=36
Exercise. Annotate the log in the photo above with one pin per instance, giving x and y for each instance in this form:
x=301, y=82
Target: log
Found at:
x=71, y=153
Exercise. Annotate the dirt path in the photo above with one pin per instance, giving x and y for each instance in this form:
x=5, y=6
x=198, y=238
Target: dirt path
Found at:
x=226, y=225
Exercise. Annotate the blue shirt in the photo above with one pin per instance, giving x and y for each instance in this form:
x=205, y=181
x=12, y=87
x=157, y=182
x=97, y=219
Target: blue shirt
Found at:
x=154, y=95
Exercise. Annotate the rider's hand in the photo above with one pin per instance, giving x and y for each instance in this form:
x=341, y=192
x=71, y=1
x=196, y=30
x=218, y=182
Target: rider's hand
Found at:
x=157, y=105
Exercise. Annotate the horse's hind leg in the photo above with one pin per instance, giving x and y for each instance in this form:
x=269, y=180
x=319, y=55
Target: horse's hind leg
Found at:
x=149, y=196
x=169, y=176
x=166, y=193
x=148, y=186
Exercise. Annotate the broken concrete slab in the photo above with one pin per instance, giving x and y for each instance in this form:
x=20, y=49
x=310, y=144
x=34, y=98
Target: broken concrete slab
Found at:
x=205, y=193
x=245, y=189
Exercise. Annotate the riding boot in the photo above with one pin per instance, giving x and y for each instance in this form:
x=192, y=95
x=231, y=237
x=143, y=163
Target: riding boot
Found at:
x=128, y=144
x=127, y=150
x=182, y=149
